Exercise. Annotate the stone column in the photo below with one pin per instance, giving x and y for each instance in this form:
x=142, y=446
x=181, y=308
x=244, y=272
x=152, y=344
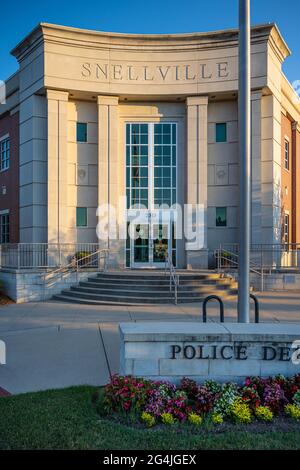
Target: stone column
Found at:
x=33, y=169
x=108, y=188
x=57, y=114
x=295, y=184
x=256, y=167
x=271, y=170
x=196, y=249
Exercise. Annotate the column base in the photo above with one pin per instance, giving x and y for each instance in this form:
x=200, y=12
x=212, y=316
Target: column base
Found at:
x=197, y=259
x=116, y=259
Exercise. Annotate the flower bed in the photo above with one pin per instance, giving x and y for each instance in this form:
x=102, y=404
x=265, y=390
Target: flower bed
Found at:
x=151, y=402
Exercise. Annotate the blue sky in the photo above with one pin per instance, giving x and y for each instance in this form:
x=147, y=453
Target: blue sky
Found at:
x=144, y=16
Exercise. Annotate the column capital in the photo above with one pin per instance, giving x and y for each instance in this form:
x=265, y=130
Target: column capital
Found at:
x=256, y=95
x=57, y=95
x=197, y=101
x=295, y=125
x=107, y=100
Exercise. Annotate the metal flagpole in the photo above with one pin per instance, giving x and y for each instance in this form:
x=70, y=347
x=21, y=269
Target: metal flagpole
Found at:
x=244, y=158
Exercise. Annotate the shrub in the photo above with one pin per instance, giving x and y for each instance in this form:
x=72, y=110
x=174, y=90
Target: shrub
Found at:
x=154, y=401
x=258, y=384
x=273, y=397
x=204, y=400
x=83, y=257
x=225, y=400
x=213, y=386
x=240, y=412
x=178, y=407
x=167, y=418
x=263, y=413
x=293, y=411
x=250, y=396
x=296, y=398
x=194, y=419
x=126, y=394
x=288, y=385
x=190, y=387
x=165, y=398
x=147, y=419
x=217, y=418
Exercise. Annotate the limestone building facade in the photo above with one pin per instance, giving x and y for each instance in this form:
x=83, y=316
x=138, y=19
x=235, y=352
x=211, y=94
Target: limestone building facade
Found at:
x=93, y=118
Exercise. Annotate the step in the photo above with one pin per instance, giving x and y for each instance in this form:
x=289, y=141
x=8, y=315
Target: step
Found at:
x=148, y=292
x=66, y=298
x=160, y=277
x=155, y=282
x=152, y=286
x=119, y=297
x=150, y=289
x=123, y=292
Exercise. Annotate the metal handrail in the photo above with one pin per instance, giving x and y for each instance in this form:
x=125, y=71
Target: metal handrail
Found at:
x=74, y=265
x=174, y=278
x=253, y=267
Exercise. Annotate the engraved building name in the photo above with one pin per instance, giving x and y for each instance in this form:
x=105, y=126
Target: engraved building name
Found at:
x=197, y=72
x=238, y=352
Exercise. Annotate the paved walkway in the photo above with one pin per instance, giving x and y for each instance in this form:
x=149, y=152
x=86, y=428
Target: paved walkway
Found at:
x=53, y=345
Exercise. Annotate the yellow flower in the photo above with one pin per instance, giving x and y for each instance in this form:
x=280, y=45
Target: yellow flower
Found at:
x=293, y=411
x=264, y=413
x=194, y=419
x=148, y=419
x=167, y=418
x=217, y=418
x=240, y=412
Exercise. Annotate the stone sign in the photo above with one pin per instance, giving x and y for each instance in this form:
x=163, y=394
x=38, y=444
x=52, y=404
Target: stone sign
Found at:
x=222, y=352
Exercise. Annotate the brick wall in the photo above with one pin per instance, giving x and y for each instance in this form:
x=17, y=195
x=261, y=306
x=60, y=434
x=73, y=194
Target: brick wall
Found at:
x=9, y=124
x=296, y=185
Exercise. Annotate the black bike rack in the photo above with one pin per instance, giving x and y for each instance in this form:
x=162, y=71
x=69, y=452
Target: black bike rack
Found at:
x=215, y=297
x=256, y=306
x=204, y=308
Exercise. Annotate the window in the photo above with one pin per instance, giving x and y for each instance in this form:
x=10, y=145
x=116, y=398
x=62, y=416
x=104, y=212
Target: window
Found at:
x=4, y=154
x=221, y=132
x=221, y=216
x=286, y=155
x=286, y=228
x=81, y=132
x=151, y=154
x=81, y=217
x=4, y=228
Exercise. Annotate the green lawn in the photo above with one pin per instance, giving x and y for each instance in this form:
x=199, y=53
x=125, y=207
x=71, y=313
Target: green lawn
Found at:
x=67, y=419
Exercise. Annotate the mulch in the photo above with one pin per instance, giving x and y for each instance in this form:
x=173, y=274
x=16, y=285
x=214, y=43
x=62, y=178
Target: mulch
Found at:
x=4, y=300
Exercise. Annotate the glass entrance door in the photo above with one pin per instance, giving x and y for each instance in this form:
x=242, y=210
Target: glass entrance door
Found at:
x=150, y=244
x=160, y=243
x=151, y=155
x=140, y=248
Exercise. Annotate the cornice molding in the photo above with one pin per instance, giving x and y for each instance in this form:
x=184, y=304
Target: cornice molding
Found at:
x=49, y=33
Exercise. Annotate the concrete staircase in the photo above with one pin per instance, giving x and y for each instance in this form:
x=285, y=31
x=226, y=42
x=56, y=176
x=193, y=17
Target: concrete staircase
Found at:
x=136, y=287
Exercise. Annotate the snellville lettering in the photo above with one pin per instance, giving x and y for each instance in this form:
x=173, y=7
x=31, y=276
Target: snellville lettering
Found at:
x=226, y=352
x=104, y=72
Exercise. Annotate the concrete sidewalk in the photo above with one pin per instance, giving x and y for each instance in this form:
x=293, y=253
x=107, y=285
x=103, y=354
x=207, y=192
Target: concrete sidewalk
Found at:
x=54, y=345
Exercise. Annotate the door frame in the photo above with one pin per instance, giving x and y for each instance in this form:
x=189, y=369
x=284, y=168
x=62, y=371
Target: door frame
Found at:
x=172, y=215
